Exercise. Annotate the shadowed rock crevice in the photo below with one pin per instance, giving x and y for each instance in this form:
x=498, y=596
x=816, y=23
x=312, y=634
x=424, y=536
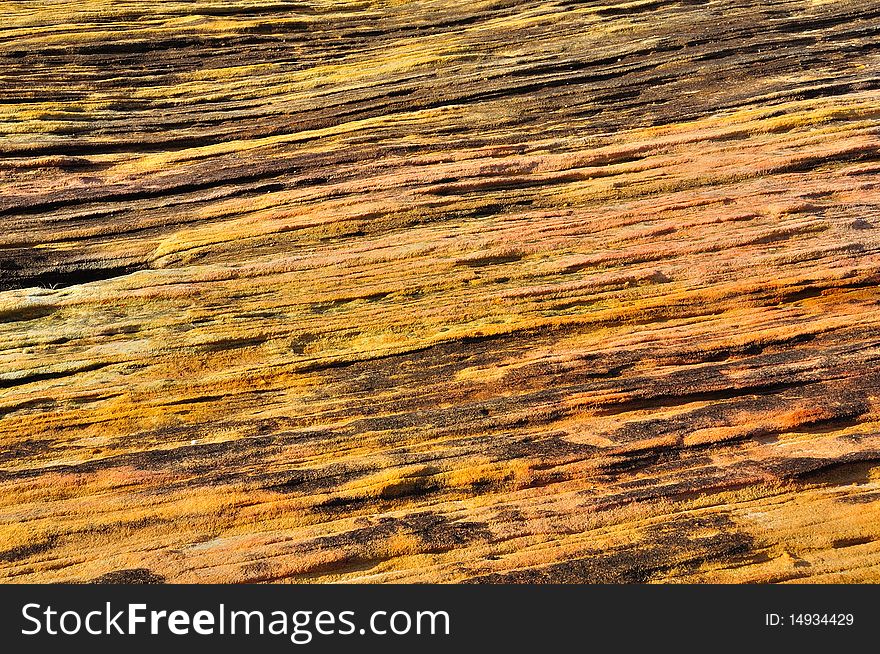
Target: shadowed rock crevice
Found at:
x=131, y=576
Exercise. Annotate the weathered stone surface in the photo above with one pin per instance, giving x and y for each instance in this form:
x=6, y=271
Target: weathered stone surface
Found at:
x=439, y=291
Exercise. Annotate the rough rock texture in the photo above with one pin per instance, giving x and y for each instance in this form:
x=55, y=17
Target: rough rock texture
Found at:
x=439, y=291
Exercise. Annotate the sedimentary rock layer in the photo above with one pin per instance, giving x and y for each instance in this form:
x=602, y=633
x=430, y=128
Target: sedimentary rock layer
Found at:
x=439, y=291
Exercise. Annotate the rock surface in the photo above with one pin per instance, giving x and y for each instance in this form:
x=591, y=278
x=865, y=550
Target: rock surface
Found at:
x=440, y=291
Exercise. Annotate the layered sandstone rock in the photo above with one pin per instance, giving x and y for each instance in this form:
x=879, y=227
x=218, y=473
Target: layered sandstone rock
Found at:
x=439, y=291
